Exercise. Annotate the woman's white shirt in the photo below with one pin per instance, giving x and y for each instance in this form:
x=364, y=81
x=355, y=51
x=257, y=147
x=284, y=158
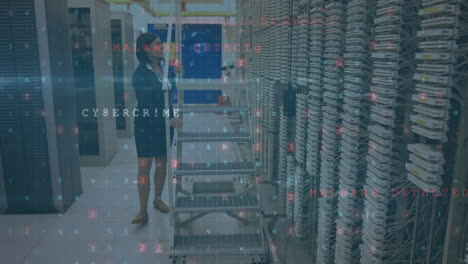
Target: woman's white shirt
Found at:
x=169, y=85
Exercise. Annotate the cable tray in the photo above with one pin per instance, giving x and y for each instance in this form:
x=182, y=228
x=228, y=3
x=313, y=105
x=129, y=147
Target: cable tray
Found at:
x=207, y=168
x=209, y=109
x=213, y=136
x=216, y=204
x=238, y=244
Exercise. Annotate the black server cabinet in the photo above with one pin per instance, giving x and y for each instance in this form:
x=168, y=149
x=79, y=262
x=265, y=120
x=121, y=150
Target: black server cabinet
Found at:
x=89, y=22
x=122, y=49
x=83, y=71
x=38, y=132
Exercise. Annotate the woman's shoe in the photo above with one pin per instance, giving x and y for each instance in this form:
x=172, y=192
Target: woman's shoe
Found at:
x=161, y=206
x=140, y=220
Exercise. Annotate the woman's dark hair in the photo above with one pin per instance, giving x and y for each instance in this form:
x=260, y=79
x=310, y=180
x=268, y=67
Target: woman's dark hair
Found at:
x=144, y=40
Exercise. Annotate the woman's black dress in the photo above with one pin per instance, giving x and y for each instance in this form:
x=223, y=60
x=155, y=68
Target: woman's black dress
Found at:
x=150, y=130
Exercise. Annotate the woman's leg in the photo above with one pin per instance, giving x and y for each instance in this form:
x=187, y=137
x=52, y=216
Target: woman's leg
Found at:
x=159, y=179
x=159, y=176
x=143, y=181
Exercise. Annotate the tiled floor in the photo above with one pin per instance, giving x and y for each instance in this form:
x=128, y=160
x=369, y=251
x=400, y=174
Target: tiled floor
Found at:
x=73, y=237
x=111, y=193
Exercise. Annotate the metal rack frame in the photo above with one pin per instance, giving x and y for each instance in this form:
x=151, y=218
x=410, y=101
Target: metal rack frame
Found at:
x=237, y=205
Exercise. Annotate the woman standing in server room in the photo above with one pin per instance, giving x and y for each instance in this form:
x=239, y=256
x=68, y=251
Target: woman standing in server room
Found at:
x=150, y=128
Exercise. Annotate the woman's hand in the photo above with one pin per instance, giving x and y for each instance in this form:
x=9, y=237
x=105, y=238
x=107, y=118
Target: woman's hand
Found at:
x=176, y=122
x=179, y=69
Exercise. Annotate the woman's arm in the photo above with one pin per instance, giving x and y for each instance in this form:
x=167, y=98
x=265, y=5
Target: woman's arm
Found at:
x=171, y=108
x=175, y=120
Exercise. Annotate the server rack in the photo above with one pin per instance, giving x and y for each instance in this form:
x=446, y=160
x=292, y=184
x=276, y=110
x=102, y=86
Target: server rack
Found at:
x=37, y=141
x=92, y=65
x=357, y=67
x=375, y=125
x=123, y=64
